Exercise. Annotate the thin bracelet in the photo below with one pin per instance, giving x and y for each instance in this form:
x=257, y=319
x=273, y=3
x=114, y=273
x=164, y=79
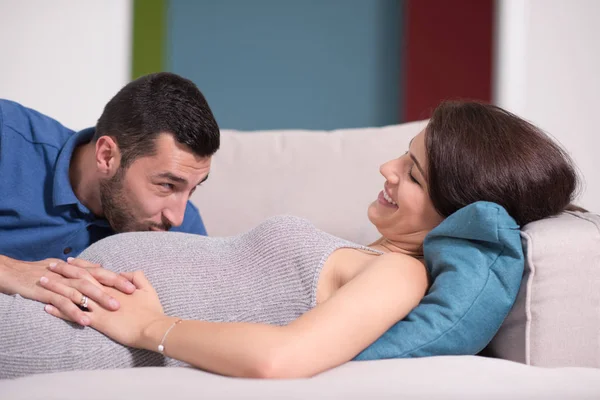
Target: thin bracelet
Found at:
x=161, y=347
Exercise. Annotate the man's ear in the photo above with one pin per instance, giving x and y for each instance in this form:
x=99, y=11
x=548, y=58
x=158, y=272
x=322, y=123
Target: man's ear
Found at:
x=108, y=156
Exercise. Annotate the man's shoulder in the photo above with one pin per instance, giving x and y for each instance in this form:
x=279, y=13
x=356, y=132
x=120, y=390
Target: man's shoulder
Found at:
x=27, y=125
x=30, y=144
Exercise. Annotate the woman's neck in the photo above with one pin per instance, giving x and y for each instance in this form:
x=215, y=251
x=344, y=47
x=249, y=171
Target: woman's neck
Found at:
x=388, y=246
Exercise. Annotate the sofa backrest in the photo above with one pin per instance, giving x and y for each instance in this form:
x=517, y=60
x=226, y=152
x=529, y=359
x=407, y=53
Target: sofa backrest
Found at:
x=328, y=177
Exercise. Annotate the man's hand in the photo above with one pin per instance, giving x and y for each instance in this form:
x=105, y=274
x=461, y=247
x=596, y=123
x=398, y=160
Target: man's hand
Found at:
x=52, y=281
x=21, y=277
x=77, y=269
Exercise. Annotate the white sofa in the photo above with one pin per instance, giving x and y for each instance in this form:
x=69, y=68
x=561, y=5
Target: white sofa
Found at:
x=330, y=178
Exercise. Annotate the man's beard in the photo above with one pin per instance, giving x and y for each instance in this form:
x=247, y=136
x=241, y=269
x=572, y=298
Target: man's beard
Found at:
x=118, y=211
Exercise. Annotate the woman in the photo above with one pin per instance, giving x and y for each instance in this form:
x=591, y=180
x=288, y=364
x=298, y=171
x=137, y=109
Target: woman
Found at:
x=285, y=299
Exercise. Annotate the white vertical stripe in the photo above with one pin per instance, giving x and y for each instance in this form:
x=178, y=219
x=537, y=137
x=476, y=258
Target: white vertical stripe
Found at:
x=510, y=54
x=65, y=58
x=548, y=58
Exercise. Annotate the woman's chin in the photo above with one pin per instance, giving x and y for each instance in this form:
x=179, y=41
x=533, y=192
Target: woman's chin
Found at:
x=377, y=214
x=372, y=211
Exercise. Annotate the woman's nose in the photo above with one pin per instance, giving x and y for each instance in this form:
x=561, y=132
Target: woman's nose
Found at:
x=390, y=172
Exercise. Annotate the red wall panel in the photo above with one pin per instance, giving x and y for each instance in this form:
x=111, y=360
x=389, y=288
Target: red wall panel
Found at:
x=449, y=53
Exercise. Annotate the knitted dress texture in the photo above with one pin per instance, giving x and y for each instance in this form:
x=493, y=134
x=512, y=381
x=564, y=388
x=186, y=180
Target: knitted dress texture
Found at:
x=266, y=275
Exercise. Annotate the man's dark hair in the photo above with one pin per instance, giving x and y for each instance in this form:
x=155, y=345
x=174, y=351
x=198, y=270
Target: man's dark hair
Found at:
x=158, y=103
x=481, y=152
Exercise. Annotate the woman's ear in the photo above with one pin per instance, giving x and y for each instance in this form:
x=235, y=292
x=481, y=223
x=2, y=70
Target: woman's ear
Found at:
x=108, y=156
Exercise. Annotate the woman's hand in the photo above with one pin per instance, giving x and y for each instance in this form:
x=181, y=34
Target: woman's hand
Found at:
x=76, y=278
x=125, y=325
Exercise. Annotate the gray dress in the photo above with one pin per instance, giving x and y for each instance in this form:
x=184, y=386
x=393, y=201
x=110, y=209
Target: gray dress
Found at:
x=268, y=275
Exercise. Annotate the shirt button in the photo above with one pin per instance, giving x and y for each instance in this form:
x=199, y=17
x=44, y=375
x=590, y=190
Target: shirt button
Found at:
x=67, y=250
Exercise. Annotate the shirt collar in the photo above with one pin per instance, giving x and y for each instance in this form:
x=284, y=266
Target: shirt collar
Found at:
x=62, y=191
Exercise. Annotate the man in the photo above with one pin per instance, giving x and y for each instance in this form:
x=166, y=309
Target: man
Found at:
x=60, y=190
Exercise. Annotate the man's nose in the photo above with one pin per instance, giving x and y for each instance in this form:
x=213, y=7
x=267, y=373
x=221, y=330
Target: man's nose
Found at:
x=175, y=212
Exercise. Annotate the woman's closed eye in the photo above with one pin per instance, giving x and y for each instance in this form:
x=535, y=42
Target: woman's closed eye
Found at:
x=412, y=178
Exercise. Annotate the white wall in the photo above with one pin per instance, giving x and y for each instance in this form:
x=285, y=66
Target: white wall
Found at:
x=65, y=58
x=548, y=71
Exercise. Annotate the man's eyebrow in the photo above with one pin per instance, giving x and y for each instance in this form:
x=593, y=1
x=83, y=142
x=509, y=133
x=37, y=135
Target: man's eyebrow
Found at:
x=177, y=179
x=172, y=177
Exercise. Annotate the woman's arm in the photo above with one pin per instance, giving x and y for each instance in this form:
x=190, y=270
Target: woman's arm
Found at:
x=330, y=334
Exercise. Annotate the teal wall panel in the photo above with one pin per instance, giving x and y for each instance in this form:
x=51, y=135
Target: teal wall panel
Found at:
x=285, y=64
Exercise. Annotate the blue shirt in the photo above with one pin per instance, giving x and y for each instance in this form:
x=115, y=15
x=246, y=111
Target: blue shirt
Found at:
x=40, y=216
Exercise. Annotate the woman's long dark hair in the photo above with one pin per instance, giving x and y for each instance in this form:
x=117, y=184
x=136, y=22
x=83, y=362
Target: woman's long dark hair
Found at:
x=481, y=152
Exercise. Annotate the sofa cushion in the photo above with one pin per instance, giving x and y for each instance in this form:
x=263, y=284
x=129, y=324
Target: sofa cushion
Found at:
x=475, y=260
x=556, y=318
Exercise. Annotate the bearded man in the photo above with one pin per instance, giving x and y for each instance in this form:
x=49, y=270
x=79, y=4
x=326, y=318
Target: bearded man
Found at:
x=61, y=191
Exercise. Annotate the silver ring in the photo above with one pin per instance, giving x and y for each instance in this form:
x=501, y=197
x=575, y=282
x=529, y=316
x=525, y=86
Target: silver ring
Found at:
x=84, y=301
